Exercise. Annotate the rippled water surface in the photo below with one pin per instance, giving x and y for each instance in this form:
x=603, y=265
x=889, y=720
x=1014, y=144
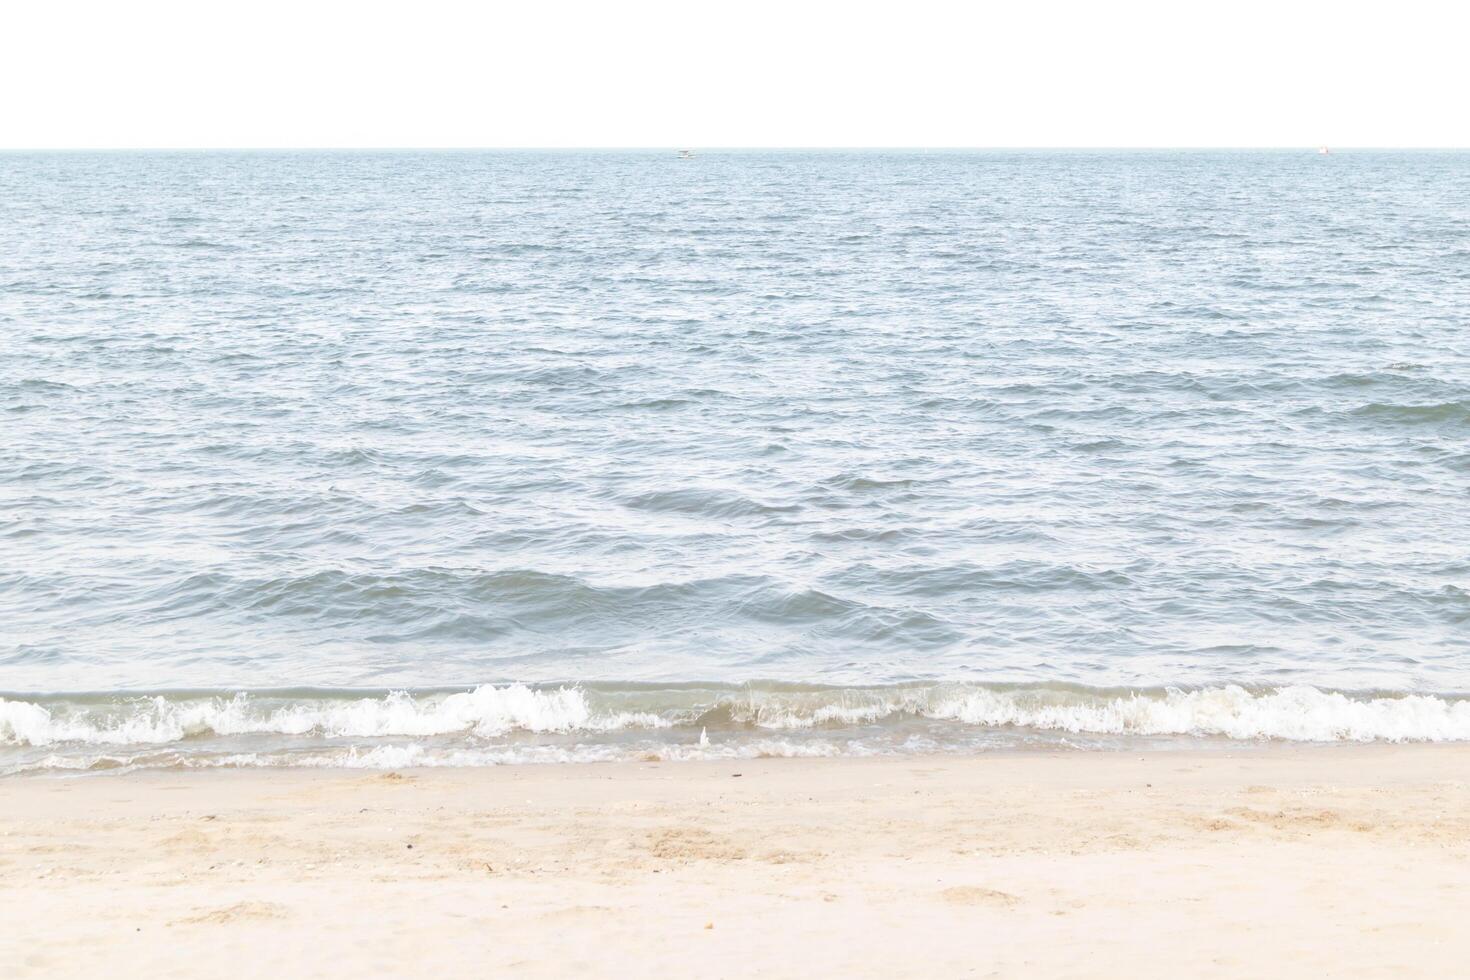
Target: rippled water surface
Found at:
x=893, y=429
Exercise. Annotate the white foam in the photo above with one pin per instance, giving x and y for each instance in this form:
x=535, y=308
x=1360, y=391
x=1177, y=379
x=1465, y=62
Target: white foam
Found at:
x=486, y=711
x=819, y=710
x=1299, y=713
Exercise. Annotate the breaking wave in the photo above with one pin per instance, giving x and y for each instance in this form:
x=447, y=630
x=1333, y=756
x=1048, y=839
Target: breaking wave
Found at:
x=485, y=711
x=499, y=724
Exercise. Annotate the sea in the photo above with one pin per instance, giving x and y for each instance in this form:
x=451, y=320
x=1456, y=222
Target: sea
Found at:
x=388, y=459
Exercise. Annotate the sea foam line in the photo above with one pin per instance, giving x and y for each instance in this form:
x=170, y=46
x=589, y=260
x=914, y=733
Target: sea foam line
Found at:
x=486, y=711
x=1296, y=713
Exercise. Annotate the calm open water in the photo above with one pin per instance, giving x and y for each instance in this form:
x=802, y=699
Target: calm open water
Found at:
x=589, y=455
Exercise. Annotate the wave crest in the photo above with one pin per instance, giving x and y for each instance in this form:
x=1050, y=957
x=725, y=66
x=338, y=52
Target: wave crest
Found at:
x=1299, y=714
x=486, y=711
x=948, y=714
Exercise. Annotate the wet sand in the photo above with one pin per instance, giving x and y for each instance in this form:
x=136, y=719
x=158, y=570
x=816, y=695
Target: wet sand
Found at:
x=1280, y=861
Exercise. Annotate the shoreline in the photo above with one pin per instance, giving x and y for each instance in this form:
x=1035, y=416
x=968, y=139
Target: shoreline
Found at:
x=1267, y=860
x=491, y=724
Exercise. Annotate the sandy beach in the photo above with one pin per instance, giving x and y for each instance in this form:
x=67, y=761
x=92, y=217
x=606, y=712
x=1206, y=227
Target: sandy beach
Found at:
x=1343, y=861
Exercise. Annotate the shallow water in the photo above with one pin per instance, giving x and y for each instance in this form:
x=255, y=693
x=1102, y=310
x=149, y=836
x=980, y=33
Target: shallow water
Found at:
x=1097, y=425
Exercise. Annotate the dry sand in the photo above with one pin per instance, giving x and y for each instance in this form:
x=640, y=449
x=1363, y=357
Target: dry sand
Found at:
x=1342, y=861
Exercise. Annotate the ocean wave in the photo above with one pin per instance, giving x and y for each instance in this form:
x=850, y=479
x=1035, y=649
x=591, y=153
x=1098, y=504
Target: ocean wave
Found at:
x=1298, y=713
x=1457, y=411
x=720, y=504
x=485, y=711
x=488, y=713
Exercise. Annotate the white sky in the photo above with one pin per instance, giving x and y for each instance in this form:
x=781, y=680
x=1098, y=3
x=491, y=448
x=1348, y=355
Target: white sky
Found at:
x=565, y=73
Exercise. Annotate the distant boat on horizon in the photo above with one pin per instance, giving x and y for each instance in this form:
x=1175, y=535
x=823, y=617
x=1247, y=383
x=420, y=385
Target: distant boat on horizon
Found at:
x=686, y=154
x=1323, y=150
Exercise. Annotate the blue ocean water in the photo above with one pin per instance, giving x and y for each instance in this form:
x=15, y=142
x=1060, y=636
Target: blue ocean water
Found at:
x=467, y=456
